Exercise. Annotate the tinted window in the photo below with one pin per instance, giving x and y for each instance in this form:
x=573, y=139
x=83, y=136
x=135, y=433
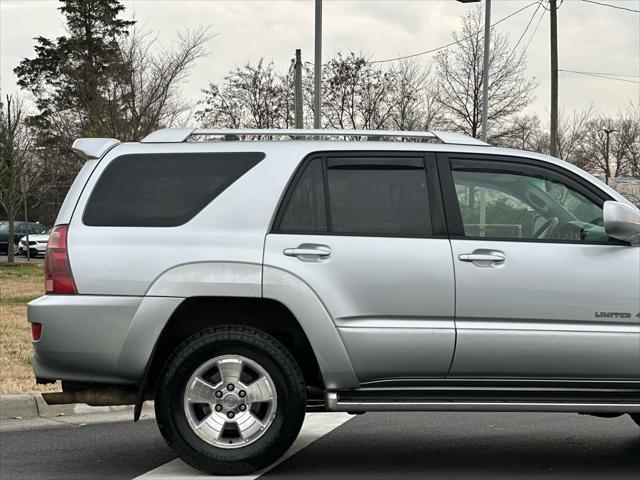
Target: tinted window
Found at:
x=378, y=197
x=162, y=190
x=306, y=209
x=513, y=205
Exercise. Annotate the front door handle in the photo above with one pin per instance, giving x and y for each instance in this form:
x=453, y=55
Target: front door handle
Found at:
x=301, y=251
x=494, y=257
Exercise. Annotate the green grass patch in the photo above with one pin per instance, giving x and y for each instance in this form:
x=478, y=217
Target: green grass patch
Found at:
x=19, y=271
x=21, y=283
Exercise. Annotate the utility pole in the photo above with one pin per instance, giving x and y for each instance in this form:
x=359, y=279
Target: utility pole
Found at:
x=317, y=100
x=299, y=120
x=553, y=10
x=485, y=68
x=608, y=132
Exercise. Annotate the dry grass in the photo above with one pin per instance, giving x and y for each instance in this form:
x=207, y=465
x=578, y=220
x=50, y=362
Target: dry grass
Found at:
x=18, y=285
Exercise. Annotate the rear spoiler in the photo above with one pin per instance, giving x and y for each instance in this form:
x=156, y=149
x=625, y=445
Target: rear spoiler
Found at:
x=93, y=148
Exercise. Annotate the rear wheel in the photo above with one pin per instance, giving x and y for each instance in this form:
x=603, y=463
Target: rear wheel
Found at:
x=230, y=400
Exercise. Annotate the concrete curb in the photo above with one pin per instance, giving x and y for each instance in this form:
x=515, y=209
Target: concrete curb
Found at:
x=31, y=406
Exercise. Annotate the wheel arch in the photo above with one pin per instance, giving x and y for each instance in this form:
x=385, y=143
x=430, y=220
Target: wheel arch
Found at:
x=199, y=313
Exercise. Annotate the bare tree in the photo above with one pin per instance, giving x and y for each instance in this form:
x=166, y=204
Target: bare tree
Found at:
x=460, y=76
x=19, y=168
x=523, y=132
x=414, y=98
x=145, y=94
x=591, y=154
x=250, y=97
x=625, y=141
x=356, y=94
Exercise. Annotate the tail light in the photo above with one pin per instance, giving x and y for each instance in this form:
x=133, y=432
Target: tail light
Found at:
x=57, y=270
x=36, y=331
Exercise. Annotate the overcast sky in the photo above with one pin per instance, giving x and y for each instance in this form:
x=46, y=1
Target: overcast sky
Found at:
x=592, y=38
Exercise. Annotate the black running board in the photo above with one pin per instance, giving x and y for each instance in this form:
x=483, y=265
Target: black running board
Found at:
x=485, y=400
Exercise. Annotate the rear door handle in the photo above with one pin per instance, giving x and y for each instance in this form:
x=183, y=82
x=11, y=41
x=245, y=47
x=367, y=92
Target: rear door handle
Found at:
x=307, y=251
x=482, y=257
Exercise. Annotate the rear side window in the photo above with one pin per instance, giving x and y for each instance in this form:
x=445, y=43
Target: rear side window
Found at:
x=162, y=190
x=379, y=196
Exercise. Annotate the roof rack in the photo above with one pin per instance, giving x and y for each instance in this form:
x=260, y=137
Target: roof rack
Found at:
x=178, y=135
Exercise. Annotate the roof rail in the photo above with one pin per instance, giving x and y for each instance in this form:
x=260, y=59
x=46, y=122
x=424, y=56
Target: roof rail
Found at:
x=177, y=135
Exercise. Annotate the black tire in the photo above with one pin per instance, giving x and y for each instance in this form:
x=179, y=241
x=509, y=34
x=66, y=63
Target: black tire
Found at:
x=230, y=340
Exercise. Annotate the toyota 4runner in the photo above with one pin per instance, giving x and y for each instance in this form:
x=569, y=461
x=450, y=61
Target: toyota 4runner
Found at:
x=240, y=282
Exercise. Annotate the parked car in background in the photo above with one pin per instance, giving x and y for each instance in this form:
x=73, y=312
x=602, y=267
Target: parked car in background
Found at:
x=20, y=229
x=37, y=244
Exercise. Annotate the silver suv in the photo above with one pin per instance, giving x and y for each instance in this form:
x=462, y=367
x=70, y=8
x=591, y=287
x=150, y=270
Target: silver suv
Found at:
x=242, y=283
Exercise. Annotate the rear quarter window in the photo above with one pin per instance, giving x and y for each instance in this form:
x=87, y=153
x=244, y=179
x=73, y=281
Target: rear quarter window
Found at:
x=162, y=190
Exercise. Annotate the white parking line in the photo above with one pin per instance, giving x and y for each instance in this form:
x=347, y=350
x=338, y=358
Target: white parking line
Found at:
x=315, y=426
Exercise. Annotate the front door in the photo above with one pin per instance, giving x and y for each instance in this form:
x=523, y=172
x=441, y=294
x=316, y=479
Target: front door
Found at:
x=366, y=232
x=541, y=291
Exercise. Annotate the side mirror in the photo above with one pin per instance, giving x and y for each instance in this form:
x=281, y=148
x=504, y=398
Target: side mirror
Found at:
x=622, y=221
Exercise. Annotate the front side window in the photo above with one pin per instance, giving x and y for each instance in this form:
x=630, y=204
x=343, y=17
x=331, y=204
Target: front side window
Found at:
x=360, y=196
x=517, y=205
x=162, y=190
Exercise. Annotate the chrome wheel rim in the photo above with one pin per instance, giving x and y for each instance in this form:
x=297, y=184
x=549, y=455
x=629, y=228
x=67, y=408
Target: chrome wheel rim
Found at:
x=230, y=401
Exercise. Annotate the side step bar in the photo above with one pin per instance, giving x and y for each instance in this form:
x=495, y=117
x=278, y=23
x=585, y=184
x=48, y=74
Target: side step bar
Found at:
x=488, y=401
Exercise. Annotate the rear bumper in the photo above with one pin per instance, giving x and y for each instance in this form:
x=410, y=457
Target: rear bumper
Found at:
x=82, y=336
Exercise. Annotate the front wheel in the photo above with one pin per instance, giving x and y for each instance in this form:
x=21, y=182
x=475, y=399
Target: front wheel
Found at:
x=230, y=400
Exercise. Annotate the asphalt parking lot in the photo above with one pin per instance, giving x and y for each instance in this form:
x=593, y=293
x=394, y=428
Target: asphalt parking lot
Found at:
x=370, y=446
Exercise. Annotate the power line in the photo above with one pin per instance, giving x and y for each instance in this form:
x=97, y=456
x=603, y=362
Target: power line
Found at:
x=525, y=30
x=612, y=6
x=534, y=32
x=452, y=43
x=605, y=76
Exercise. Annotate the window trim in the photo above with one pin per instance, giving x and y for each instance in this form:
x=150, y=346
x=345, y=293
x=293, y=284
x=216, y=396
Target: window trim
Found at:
x=438, y=223
x=521, y=165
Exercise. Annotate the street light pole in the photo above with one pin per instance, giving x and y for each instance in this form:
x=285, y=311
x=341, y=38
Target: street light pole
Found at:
x=553, y=28
x=485, y=67
x=318, y=68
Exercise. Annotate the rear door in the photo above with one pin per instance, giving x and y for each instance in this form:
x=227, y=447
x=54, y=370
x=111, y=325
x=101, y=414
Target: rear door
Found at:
x=366, y=232
x=541, y=291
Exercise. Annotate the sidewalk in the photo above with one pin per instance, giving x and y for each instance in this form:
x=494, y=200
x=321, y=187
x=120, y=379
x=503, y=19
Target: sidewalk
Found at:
x=15, y=408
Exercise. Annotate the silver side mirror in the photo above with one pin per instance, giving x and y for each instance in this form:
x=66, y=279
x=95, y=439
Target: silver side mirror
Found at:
x=622, y=221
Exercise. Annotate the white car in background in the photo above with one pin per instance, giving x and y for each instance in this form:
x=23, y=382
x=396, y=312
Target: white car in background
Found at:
x=37, y=244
